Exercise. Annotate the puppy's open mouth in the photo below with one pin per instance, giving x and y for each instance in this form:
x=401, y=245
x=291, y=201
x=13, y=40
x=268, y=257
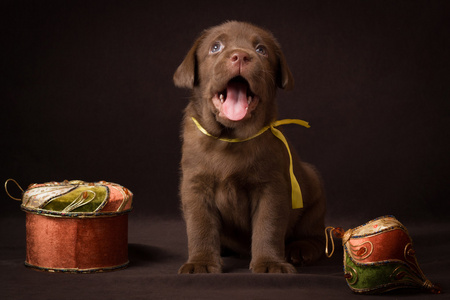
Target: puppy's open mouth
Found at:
x=236, y=101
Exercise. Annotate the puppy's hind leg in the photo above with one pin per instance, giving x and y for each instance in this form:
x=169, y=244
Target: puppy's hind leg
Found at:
x=307, y=244
x=305, y=251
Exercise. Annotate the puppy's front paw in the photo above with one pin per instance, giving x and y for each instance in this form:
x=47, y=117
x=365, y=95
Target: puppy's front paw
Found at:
x=272, y=267
x=200, y=267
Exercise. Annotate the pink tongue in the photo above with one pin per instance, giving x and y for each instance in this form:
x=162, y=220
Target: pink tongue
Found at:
x=235, y=106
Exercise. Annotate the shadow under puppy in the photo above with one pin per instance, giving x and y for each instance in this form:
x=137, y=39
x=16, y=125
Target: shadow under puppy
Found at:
x=237, y=195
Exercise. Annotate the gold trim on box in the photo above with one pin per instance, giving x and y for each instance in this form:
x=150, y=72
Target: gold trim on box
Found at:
x=76, y=270
x=79, y=215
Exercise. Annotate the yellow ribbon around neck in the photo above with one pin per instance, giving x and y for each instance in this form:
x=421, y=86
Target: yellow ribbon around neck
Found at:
x=297, y=199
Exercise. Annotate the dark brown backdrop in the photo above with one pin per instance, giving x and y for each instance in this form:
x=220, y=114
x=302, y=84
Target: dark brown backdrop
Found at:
x=87, y=93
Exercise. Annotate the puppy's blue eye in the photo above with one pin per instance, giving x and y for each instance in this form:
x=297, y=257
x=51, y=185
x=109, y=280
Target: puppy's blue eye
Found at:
x=260, y=49
x=216, y=47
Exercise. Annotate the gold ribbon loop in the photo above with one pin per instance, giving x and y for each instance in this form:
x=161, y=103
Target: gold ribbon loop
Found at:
x=329, y=236
x=297, y=199
x=6, y=189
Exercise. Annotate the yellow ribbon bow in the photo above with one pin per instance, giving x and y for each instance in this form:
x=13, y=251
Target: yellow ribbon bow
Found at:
x=297, y=199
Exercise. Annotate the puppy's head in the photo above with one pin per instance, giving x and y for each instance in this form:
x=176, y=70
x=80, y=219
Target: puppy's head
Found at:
x=234, y=70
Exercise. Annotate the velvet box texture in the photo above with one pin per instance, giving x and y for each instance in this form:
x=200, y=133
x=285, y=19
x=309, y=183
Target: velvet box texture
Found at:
x=76, y=226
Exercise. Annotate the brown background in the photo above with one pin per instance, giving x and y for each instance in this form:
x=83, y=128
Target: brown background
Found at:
x=87, y=94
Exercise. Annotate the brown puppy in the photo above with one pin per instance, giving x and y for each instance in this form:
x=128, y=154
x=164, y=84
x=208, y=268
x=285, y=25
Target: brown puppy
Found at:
x=238, y=195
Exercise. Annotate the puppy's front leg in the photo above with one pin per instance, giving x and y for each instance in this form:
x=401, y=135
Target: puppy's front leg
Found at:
x=202, y=227
x=269, y=225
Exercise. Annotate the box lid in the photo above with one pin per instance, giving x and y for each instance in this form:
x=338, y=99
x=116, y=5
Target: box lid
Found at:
x=77, y=198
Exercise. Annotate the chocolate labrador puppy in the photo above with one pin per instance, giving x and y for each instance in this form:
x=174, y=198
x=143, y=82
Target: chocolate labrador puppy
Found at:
x=237, y=195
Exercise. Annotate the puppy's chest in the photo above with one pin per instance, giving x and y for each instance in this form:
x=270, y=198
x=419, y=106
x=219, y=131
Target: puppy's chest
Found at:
x=233, y=199
x=242, y=160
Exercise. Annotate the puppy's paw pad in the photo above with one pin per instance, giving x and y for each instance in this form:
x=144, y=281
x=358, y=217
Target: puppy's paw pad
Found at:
x=200, y=268
x=273, y=267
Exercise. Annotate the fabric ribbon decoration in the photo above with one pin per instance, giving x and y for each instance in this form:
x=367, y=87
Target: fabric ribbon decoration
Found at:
x=297, y=199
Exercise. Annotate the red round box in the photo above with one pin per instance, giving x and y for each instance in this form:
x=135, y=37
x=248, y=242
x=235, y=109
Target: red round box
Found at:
x=79, y=239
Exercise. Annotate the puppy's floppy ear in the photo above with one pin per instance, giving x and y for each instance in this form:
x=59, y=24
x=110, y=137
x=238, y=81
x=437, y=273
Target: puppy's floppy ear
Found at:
x=186, y=74
x=284, y=75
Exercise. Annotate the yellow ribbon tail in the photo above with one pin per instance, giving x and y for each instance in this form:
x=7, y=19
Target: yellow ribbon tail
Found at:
x=297, y=199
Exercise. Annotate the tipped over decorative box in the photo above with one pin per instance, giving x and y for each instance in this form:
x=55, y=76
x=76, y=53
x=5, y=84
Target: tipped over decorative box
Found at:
x=76, y=226
x=379, y=257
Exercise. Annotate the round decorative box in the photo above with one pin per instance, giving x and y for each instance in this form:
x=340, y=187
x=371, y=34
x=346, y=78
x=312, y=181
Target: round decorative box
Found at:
x=379, y=256
x=76, y=226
